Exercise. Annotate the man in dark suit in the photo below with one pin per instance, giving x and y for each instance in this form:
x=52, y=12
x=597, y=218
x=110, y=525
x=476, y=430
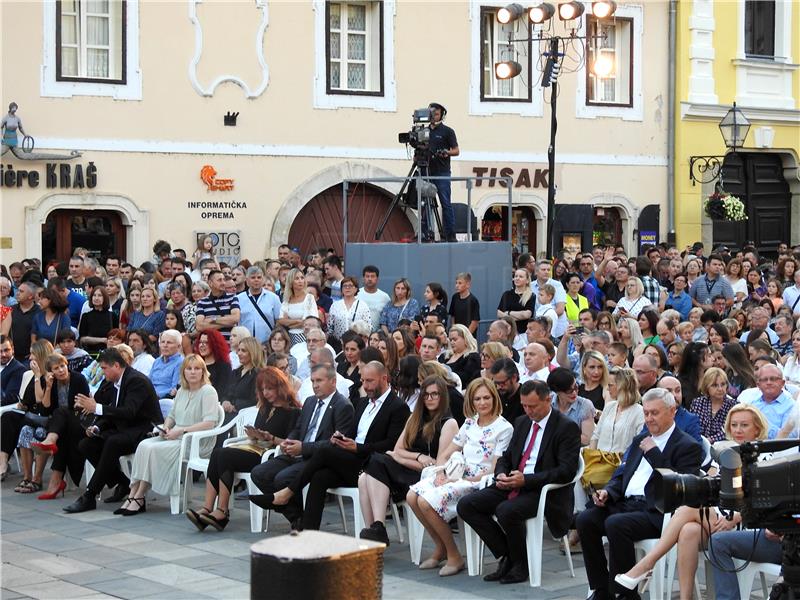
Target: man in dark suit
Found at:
x=380, y=418
x=544, y=449
x=11, y=373
x=125, y=414
x=324, y=413
x=624, y=511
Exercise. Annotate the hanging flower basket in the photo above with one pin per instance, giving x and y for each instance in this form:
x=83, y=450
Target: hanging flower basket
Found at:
x=721, y=206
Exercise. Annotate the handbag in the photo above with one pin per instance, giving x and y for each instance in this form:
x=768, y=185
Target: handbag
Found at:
x=453, y=468
x=599, y=466
x=33, y=419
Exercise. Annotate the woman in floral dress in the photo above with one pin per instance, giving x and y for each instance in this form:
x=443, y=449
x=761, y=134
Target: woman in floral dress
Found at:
x=483, y=437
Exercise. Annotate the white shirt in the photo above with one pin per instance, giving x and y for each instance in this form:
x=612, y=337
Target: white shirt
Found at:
x=312, y=433
x=368, y=416
x=306, y=389
x=531, y=464
x=98, y=408
x=560, y=326
x=540, y=375
x=143, y=363
x=643, y=472
x=376, y=301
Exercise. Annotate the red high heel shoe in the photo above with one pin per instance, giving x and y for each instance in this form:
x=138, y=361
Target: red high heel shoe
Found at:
x=48, y=496
x=44, y=448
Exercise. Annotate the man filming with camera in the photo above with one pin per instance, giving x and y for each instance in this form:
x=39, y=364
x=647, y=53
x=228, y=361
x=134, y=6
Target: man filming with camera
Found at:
x=443, y=145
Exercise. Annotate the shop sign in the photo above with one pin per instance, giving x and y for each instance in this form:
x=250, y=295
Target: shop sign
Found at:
x=227, y=244
x=522, y=177
x=647, y=238
x=208, y=174
x=55, y=175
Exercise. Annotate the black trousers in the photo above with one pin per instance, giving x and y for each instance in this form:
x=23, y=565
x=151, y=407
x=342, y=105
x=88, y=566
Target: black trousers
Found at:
x=506, y=536
x=224, y=462
x=10, y=426
x=104, y=453
x=276, y=474
x=67, y=425
x=329, y=467
x=623, y=523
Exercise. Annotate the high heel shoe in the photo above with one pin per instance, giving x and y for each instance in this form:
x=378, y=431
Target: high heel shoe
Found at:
x=53, y=495
x=631, y=583
x=142, y=502
x=44, y=448
x=218, y=524
x=120, y=510
x=194, y=517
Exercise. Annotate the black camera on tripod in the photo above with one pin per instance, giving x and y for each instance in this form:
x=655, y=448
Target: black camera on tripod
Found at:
x=420, y=135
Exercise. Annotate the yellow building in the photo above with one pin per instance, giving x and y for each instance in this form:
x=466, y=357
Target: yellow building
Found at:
x=744, y=52
x=321, y=89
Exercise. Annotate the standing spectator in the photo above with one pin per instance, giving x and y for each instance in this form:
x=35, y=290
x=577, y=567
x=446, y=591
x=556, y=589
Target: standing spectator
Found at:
x=218, y=310
x=615, y=289
x=402, y=306
x=634, y=300
x=133, y=304
x=594, y=376
x=22, y=316
x=51, y=318
x=96, y=323
x=116, y=295
x=678, y=299
x=710, y=285
x=791, y=295
x=650, y=287
x=375, y=298
x=543, y=276
x=575, y=301
x=259, y=308
x=333, y=276
x=733, y=274
x=150, y=318
x=519, y=302
x=298, y=305
x=435, y=304
x=76, y=280
x=464, y=307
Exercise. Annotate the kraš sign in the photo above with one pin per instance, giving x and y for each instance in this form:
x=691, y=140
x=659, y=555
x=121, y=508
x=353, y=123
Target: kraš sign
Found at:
x=56, y=175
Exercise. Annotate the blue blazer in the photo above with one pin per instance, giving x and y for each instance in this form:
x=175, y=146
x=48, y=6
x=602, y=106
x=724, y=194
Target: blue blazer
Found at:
x=10, y=382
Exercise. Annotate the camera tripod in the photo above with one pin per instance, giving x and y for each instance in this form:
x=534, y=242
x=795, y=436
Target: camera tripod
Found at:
x=789, y=588
x=426, y=204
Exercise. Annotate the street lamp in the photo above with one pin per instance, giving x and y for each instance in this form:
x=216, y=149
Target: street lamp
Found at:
x=734, y=128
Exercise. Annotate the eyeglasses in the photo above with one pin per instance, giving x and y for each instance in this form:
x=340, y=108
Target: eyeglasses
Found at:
x=769, y=379
x=430, y=395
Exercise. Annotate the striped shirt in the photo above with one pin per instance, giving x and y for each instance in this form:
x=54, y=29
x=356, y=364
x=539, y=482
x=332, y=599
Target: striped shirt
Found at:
x=218, y=306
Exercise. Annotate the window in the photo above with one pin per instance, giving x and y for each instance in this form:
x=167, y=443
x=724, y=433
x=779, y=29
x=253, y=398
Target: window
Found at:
x=610, y=44
x=354, y=47
x=90, y=40
x=759, y=28
x=495, y=47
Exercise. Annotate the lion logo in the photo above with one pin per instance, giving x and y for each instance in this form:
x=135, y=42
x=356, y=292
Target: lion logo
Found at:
x=208, y=175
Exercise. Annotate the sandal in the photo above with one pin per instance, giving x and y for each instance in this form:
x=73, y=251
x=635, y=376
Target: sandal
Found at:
x=194, y=517
x=32, y=487
x=218, y=524
x=23, y=485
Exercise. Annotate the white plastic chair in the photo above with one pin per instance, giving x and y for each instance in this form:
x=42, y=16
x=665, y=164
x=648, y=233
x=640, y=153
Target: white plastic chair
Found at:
x=9, y=408
x=535, y=531
x=657, y=581
x=748, y=574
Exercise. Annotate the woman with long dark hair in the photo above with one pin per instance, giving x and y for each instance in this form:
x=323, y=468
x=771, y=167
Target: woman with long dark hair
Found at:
x=407, y=382
x=51, y=319
x=435, y=303
x=695, y=361
x=348, y=361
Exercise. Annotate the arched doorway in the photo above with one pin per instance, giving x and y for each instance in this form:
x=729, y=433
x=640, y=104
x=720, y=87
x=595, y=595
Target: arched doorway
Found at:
x=319, y=224
x=494, y=227
x=101, y=232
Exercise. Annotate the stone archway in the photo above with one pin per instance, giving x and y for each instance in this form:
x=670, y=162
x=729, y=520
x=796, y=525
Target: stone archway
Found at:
x=137, y=246
x=629, y=214
x=317, y=184
x=535, y=202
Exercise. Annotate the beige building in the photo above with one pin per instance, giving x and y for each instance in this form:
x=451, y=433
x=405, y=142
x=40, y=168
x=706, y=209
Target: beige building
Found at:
x=321, y=90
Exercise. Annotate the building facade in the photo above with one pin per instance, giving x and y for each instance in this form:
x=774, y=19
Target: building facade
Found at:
x=243, y=118
x=744, y=52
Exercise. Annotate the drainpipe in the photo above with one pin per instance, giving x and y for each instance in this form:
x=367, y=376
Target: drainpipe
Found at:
x=673, y=32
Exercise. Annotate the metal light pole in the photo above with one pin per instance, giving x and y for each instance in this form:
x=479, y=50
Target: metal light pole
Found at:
x=551, y=153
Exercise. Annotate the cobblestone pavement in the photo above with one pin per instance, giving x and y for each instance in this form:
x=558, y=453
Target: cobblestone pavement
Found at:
x=49, y=554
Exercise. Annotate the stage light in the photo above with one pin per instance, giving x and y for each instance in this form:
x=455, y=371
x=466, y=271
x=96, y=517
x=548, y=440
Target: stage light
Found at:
x=604, y=9
x=507, y=69
x=541, y=13
x=509, y=13
x=603, y=66
x=568, y=11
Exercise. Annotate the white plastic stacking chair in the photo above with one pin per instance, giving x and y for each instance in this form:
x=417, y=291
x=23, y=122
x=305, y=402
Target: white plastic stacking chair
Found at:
x=748, y=574
x=190, y=457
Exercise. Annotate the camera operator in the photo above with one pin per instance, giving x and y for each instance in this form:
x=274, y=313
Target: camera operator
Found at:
x=760, y=545
x=443, y=145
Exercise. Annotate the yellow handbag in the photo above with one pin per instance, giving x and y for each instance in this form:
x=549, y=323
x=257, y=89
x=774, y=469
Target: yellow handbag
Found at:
x=599, y=466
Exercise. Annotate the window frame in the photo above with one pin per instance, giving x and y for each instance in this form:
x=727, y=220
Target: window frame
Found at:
x=748, y=10
x=591, y=22
x=486, y=10
x=123, y=19
x=380, y=92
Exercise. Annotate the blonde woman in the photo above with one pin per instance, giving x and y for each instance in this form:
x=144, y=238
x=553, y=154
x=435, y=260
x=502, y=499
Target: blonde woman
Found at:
x=297, y=305
x=519, y=302
x=241, y=392
x=630, y=334
x=402, y=306
x=462, y=356
x=634, y=300
x=196, y=408
x=623, y=416
x=594, y=372
x=490, y=352
x=116, y=295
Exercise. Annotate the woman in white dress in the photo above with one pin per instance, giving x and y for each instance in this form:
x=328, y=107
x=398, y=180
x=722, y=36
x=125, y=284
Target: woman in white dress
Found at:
x=483, y=438
x=634, y=300
x=348, y=310
x=196, y=408
x=297, y=305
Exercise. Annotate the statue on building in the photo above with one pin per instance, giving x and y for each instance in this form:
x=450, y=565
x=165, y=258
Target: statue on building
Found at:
x=24, y=151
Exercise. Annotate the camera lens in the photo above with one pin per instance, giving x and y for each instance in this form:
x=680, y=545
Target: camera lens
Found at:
x=676, y=489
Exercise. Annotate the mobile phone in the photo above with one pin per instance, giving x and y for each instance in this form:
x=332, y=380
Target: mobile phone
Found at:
x=160, y=428
x=579, y=330
x=592, y=489
x=338, y=435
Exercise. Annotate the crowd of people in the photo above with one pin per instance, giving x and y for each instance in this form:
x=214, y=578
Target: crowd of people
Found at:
x=628, y=363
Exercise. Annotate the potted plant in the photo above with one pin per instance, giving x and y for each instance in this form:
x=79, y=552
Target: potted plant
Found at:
x=722, y=206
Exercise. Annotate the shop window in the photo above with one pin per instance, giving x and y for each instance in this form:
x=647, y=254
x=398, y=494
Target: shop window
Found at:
x=759, y=28
x=610, y=44
x=607, y=227
x=90, y=40
x=354, y=47
x=494, y=227
x=495, y=47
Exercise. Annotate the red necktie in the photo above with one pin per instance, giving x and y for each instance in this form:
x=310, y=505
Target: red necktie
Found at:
x=525, y=456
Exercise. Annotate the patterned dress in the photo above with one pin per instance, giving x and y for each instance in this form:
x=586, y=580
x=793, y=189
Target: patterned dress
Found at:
x=480, y=446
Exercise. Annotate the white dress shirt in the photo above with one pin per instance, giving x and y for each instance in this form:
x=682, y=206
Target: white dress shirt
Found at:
x=531, y=464
x=642, y=474
x=368, y=416
x=312, y=434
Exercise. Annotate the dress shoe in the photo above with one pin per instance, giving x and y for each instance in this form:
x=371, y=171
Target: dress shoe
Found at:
x=503, y=567
x=120, y=494
x=631, y=583
x=262, y=500
x=82, y=504
x=517, y=574
x=376, y=533
x=141, y=507
x=599, y=595
x=430, y=563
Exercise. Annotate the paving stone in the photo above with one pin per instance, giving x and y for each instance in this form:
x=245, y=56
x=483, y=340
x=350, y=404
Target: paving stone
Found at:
x=53, y=589
x=172, y=575
x=131, y=588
